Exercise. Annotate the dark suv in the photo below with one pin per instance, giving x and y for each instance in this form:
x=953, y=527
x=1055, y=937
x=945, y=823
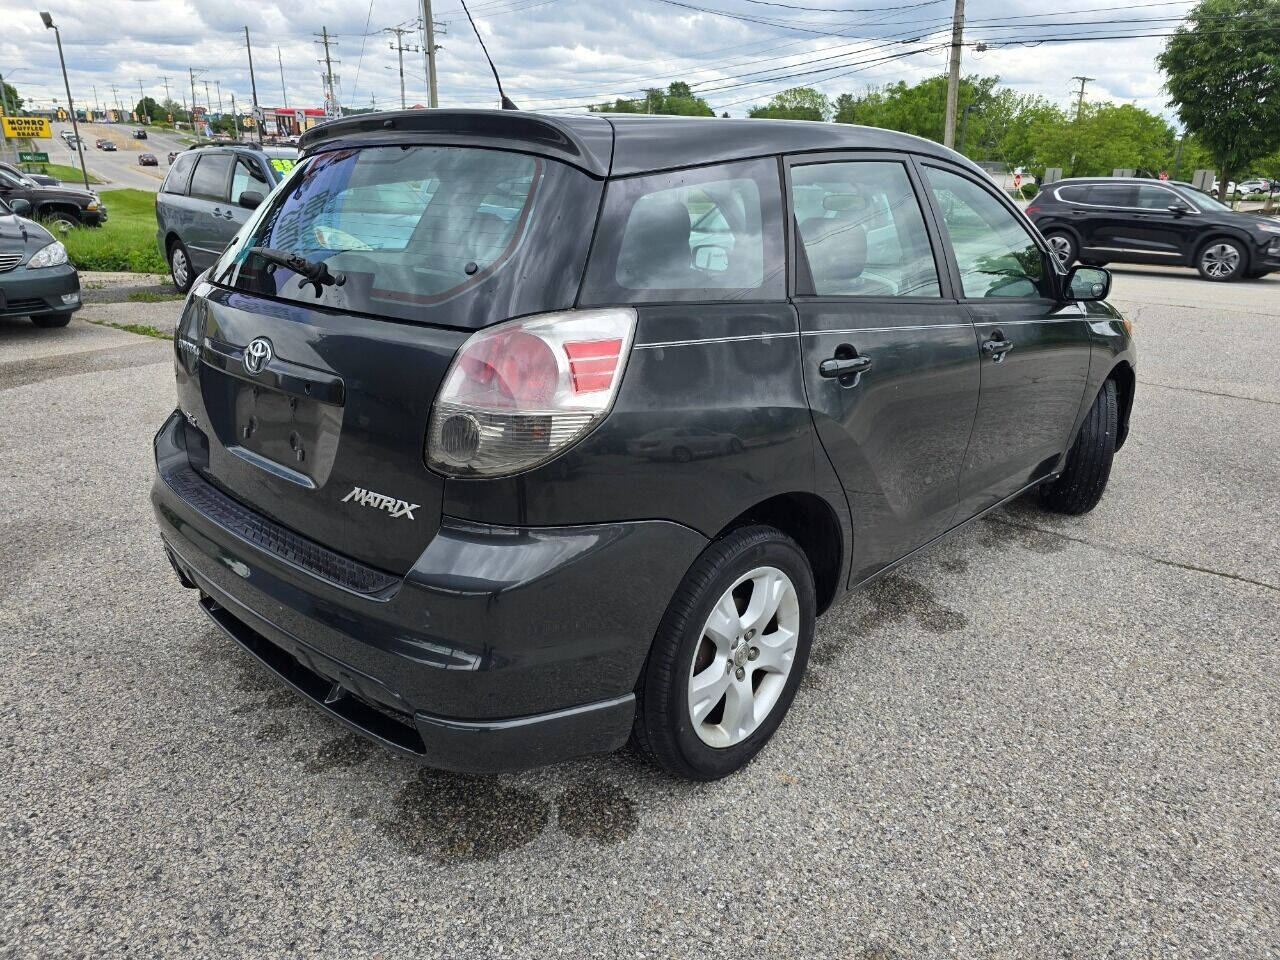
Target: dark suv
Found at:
x=433, y=459
x=1158, y=222
x=72, y=206
x=206, y=197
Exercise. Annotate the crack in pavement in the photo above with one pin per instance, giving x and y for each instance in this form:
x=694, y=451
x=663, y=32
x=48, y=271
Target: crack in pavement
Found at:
x=1208, y=393
x=1140, y=555
x=20, y=373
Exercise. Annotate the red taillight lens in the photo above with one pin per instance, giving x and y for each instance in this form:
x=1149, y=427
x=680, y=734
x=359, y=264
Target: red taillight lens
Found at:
x=1030, y=210
x=519, y=393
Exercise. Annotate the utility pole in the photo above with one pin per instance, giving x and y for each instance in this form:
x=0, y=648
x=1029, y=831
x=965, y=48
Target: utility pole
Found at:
x=235, y=120
x=331, y=91
x=95, y=99
x=429, y=52
x=953, y=75
x=217, y=85
x=141, y=96
x=1080, y=96
x=115, y=95
x=191, y=113
x=399, y=47
x=253, y=85
x=166, y=89
x=208, y=100
x=284, y=92
x=71, y=107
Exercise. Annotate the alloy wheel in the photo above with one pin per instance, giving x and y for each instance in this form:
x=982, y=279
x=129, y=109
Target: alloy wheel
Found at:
x=743, y=657
x=1220, y=260
x=1061, y=247
x=178, y=267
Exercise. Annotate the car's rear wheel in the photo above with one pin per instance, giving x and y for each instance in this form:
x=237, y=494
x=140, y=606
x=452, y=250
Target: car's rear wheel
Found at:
x=1221, y=260
x=1063, y=246
x=1084, y=476
x=52, y=320
x=180, y=266
x=728, y=655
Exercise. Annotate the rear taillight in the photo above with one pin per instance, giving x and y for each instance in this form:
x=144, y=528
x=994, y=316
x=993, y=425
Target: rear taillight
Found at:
x=519, y=393
x=1030, y=210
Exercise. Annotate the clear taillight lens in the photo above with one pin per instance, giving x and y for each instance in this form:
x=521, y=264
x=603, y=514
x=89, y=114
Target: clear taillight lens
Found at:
x=519, y=393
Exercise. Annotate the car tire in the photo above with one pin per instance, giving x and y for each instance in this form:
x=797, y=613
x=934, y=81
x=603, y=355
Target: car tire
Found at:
x=1063, y=246
x=61, y=216
x=681, y=455
x=1256, y=274
x=1084, y=476
x=746, y=686
x=181, y=271
x=52, y=320
x=1222, y=260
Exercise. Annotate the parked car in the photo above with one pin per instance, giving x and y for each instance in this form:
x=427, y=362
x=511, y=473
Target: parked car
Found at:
x=40, y=179
x=206, y=196
x=398, y=473
x=139, y=134
x=148, y=160
x=36, y=279
x=72, y=206
x=1256, y=185
x=1119, y=220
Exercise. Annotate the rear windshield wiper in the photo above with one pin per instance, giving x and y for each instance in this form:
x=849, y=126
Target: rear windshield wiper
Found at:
x=314, y=273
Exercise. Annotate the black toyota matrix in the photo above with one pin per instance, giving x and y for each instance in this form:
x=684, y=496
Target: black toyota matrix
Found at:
x=1115, y=220
x=506, y=438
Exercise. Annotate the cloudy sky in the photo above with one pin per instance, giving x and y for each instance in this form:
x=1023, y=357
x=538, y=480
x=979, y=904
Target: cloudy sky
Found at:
x=561, y=54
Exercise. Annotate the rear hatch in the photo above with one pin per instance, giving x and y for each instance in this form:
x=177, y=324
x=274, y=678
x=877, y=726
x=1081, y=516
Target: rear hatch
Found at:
x=316, y=387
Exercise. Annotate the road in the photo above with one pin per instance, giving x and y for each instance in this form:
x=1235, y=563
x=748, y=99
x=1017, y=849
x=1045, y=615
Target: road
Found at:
x=118, y=169
x=1049, y=737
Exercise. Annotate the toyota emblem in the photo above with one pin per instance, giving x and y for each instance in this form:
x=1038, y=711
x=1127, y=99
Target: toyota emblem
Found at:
x=257, y=355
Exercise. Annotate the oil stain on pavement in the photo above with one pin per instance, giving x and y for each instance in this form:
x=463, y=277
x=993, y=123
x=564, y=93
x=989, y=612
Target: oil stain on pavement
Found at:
x=891, y=600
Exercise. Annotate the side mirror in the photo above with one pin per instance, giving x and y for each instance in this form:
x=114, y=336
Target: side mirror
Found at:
x=250, y=199
x=21, y=207
x=1086, y=284
x=1178, y=209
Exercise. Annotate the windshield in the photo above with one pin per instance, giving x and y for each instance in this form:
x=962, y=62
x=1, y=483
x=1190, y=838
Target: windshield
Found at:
x=408, y=227
x=1207, y=201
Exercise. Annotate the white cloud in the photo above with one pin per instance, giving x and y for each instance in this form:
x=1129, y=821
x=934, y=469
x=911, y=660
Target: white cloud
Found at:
x=562, y=53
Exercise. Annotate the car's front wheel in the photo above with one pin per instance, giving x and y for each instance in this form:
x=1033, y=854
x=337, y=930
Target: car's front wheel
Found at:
x=1063, y=246
x=1221, y=260
x=728, y=655
x=1088, y=466
x=180, y=266
x=60, y=219
x=52, y=320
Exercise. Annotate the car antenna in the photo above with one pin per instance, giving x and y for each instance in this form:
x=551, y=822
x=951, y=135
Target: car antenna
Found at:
x=507, y=103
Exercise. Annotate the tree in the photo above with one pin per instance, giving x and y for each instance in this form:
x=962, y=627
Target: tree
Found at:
x=920, y=108
x=798, y=103
x=147, y=107
x=1105, y=137
x=678, y=100
x=11, y=98
x=1221, y=68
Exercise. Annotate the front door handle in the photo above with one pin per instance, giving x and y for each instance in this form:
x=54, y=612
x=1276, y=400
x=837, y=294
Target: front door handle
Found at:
x=997, y=346
x=843, y=366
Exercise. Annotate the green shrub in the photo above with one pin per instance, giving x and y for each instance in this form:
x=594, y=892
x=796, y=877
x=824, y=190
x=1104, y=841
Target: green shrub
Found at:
x=1029, y=190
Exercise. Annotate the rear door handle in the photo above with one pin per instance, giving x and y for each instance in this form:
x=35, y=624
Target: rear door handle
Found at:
x=843, y=367
x=997, y=346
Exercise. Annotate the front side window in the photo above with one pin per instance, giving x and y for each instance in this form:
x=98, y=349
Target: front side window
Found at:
x=248, y=176
x=1111, y=195
x=415, y=226
x=862, y=230
x=209, y=181
x=996, y=255
x=707, y=233
x=1156, y=198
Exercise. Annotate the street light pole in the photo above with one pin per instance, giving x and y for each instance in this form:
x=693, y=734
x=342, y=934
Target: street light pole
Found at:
x=71, y=107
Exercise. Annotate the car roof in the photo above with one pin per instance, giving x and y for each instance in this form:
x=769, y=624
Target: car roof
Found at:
x=616, y=144
x=1068, y=181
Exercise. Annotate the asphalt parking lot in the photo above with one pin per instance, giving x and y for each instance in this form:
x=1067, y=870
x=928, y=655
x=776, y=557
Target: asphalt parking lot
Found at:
x=1049, y=737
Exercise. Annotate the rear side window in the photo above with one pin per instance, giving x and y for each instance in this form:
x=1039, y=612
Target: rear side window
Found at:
x=248, y=176
x=1111, y=195
x=179, y=175
x=419, y=226
x=1076, y=194
x=707, y=233
x=209, y=181
x=862, y=230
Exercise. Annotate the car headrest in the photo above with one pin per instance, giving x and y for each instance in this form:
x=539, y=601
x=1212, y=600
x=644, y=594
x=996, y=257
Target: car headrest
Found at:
x=837, y=249
x=655, y=244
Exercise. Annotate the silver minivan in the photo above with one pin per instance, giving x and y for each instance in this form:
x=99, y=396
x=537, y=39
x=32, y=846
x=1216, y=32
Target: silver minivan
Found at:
x=206, y=197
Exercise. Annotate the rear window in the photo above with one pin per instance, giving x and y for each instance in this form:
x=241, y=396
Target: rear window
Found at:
x=416, y=227
x=179, y=174
x=707, y=233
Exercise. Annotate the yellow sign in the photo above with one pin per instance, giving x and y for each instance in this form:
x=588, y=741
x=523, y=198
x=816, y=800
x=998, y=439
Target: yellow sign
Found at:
x=27, y=127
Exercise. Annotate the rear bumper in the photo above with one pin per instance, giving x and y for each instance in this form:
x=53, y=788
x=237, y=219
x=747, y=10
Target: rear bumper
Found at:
x=502, y=648
x=34, y=292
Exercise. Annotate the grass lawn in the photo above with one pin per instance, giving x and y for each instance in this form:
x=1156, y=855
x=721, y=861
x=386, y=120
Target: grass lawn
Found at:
x=127, y=241
x=68, y=175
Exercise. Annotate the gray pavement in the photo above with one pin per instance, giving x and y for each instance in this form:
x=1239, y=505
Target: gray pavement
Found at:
x=1049, y=737
x=118, y=169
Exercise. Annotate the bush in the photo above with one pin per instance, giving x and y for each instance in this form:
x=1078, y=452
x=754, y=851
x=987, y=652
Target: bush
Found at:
x=126, y=242
x=1029, y=190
